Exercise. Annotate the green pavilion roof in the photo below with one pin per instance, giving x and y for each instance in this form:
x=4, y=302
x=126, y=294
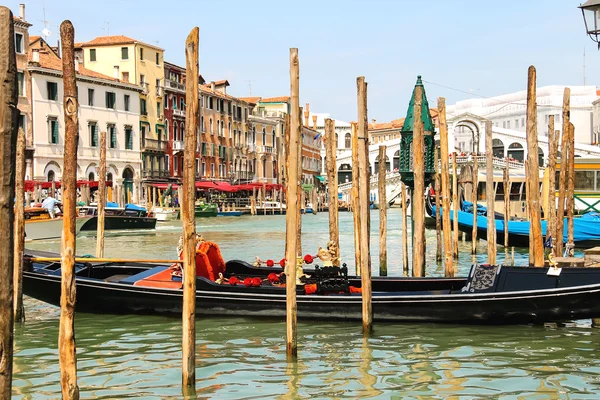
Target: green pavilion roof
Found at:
x=409, y=122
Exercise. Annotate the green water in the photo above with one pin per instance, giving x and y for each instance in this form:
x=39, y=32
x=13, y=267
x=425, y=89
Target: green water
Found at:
x=139, y=356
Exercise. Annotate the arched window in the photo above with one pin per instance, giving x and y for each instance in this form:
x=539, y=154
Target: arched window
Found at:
x=202, y=124
x=175, y=131
x=264, y=137
x=347, y=141
x=515, y=151
x=91, y=177
x=210, y=126
x=229, y=130
x=182, y=131
x=540, y=157
x=109, y=177
x=51, y=176
x=396, y=160
x=498, y=148
x=167, y=128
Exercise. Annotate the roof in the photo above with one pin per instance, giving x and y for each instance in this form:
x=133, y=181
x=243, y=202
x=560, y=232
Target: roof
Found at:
x=280, y=99
x=222, y=82
x=397, y=123
x=250, y=100
x=34, y=38
x=428, y=125
x=113, y=40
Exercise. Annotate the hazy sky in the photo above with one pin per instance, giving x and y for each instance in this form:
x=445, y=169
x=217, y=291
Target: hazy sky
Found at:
x=479, y=46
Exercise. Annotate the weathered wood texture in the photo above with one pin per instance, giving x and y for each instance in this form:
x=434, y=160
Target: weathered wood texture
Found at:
x=489, y=194
x=553, y=136
x=364, y=189
x=290, y=217
x=19, y=234
x=66, y=334
x=445, y=203
x=455, y=207
x=474, y=200
x=101, y=197
x=405, y=263
x=354, y=197
x=332, y=185
x=8, y=142
x=562, y=180
x=438, y=217
x=536, y=241
x=506, y=184
x=418, y=202
x=300, y=200
x=571, y=191
x=188, y=216
x=382, y=212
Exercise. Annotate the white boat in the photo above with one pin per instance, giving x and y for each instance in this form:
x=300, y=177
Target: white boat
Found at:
x=165, y=214
x=270, y=208
x=47, y=228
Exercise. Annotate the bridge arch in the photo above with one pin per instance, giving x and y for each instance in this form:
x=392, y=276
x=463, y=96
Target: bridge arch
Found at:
x=498, y=148
x=516, y=151
x=387, y=164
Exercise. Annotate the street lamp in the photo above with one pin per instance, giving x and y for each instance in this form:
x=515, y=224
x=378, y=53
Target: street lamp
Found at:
x=591, y=17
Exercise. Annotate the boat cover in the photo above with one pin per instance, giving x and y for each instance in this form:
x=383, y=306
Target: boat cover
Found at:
x=134, y=207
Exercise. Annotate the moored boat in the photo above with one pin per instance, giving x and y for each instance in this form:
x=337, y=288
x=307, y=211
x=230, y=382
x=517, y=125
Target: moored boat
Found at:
x=203, y=210
x=165, y=214
x=40, y=226
x=117, y=218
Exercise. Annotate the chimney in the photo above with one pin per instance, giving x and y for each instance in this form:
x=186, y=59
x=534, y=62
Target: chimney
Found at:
x=22, y=12
x=306, y=116
x=35, y=55
x=315, y=122
x=116, y=72
x=373, y=121
x=212, y=86
x=76, y=65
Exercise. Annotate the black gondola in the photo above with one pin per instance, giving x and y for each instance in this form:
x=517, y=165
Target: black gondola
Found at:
x=115, y=218
x=489, y=295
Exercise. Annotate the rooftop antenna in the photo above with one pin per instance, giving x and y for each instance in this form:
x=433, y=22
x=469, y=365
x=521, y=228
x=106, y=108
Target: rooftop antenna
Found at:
x=249, y=87
x=45, y=32
x=107, y=28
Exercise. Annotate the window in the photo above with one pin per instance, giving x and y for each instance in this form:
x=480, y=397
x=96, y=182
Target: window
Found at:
x=174, y=102
x=143, y=110
x=347, y=141
x=124, y=53
x=111, y=100
x=22, y=122
x=92, y=54
x=504, y=124
x=210, y=103
x=53, y=130
x=507, y=124
x=128, y=138
x=91, y=97
x=210, y=126
x=142, y=79
x=175, y=131
x=264, y=137
x=112, y=133
x=21, y=83
x=52, y=90
x=157, y=85
x=158, y=108
x=19, y=43
x=141, y=54
x=182, y=131
x=157, y=59
x=126, y=102
x=181, y=103
x=93, y=134
x=125, y=76
x=522, y=122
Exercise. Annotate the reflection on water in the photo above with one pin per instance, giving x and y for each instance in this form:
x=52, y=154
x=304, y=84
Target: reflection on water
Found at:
x=140, y=357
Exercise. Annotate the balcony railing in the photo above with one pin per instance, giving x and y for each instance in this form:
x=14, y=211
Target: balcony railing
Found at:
x=243, y=175
x=174, y=85
x=154, y=144
x=145, y=87
x=177, y=145
x=265, y=149
x=154, y=173
x=160, y=91
x=251, y=148
x=179, y=113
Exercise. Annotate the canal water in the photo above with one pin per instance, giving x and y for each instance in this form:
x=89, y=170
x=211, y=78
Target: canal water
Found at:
x=238, y=357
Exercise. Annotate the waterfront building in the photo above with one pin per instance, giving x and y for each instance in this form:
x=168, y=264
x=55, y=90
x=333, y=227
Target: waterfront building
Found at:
x=141, y=64
x=105, y=104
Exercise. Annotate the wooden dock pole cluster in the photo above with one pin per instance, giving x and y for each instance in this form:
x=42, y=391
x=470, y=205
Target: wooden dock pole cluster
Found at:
x=489, y=194
x=66, y=335
x=363, y=209
x=382, y=212
x=445, y=203
x=553, y=140
x=474, y=200
x=332, y=185
x=354, y=198
x=571, y=190
x=564, y=151
x=188, y=216
x=536, y=241
x=19, y=236
x=8, y=141
x=438, y=216
x=101, y=197
x=290, y=216
x=418, y=203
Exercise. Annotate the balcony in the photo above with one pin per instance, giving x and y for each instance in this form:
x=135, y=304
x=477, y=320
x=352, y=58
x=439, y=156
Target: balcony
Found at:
x=154, y=144
x=153, y=173
x=179, y=113
x=243, y=175
x=174, y=85
x=178, y=145
x=145, y=87
x=160, y=91
x=265, y=149
x=251, y=148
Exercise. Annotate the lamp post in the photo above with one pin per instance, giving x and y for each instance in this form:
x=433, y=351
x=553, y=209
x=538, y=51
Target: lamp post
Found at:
x=591, y=17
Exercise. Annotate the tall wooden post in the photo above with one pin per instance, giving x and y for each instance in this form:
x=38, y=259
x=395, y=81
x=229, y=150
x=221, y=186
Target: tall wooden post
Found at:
x=506, y=184
x=490, y=194
x=364, y=189
x=445, y=203
x=290, y=217
x=301, y=193
x=382, y=212
x=419, y=188
x=571, y=190
x=101, y=197
x=354, y=197
x=455, y=207
x=438, y=202
x=564, y=151
x=19, y=228
x=474, y=200
x=551, y=208
x=188, y=215
x=404, y=229
x=332, y=185
x=536, y=241
x=66, y=333
x=8, y=142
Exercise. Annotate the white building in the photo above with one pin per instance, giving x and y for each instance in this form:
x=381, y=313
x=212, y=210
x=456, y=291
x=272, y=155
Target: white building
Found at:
x=509, y=112
x=105, y=104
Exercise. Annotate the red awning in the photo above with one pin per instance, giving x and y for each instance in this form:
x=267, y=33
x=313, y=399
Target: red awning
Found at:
x=225, y=187
x=163, y=186
x=30, y=185
x=205, y=185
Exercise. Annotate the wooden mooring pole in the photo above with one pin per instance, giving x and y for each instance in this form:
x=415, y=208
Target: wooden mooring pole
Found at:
x=506, y=185
x=354, y=197
x=419, y=188
x=364, y=190
x=571, y=191
x=8, y=142
x=551, y=208
x=101, y=197
x=562, y=182
x=382, y=212
x=445, y=203
x=405, y=265
x=66, y=334
x=438, y=202
x=475, y=174
x=19, y=237
x=188, y=216
x=489, y=194
x=536, y=241
x=290, y=217
x=455, y=207
x=332, y=186
x=301, y=193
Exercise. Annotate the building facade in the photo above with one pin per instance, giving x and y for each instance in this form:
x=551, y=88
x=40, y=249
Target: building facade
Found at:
x=105, y=104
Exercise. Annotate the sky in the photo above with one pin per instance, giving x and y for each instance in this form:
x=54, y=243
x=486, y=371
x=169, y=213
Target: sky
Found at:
x=479, y=47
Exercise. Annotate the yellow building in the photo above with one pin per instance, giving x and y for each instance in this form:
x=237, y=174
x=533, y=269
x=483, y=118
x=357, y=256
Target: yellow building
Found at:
x=132, y=61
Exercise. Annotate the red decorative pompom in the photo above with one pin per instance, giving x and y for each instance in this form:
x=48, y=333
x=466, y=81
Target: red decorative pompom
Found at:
x=308, y=259
x=270, y=263
x=273, y=278
x=248, y=282
x=233, y=280
x=256, y=281
x=310, y=288
x=282, y=263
